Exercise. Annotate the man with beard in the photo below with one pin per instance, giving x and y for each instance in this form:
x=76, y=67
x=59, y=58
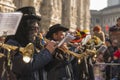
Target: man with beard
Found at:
x=26, y=33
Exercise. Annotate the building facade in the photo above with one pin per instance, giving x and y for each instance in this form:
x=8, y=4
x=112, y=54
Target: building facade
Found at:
x=113, y=2
x=71, y=13
x=7, y=6
x=105, y=17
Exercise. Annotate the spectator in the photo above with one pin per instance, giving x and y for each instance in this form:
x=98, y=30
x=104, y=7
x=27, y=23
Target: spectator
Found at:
x=115, y=27
x=116, y=69
x=99, y=33
x=115, y=44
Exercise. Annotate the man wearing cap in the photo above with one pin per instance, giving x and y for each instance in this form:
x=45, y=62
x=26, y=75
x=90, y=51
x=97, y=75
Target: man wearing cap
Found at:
x=115, y=27
x=26, y=33
x=60, y=67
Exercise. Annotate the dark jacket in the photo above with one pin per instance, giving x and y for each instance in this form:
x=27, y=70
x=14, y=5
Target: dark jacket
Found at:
x=114, y=28
x=59, y=69
x=29, y=71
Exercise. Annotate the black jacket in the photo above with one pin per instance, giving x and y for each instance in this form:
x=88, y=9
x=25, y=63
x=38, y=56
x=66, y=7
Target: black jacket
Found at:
x=29, y=71
x=59, y=68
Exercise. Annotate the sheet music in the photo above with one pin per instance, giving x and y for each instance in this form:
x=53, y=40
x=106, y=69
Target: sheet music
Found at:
x=102, y=49
x=67, y=38
x=9, y=22
x=86, y=39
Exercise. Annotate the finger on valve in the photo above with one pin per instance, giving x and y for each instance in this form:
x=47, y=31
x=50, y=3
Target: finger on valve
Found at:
x=51, y=46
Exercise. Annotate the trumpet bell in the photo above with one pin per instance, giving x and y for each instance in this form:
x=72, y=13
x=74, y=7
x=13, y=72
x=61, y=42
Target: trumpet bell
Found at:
x=29, y=48
x=26, y=59
x=28, y=52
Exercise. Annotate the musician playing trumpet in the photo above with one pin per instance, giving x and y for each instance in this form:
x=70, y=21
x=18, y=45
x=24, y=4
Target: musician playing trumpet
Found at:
x=59, y=68
x=26, y=33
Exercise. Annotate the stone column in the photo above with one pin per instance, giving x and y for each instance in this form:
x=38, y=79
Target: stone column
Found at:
x=18, y=3
x=50, y=12
x=45, y=11
x=66, y=13
x=23, y=3
x=73, y=15
x=80, y=14
x=56, y=12
x=36, y=4
x=87, y=15
x=69, y=14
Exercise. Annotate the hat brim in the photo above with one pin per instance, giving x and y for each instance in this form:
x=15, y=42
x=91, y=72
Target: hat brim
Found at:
x=59, y=28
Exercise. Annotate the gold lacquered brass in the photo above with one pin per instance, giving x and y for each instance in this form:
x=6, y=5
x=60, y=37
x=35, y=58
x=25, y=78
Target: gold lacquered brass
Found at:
x=27, y=51
x=76, y=55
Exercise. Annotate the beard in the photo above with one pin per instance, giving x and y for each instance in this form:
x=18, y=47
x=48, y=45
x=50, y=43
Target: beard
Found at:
x=31, y=37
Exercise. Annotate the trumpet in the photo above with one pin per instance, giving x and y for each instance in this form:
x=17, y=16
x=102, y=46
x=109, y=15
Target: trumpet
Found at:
x=67, y=51
x=88, y=52
x=76, y=55
x=27, y=51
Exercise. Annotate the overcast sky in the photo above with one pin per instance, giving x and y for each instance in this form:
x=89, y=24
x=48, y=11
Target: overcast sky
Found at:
x=98, y=4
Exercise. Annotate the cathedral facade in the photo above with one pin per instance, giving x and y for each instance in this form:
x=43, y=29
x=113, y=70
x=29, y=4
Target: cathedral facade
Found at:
x=71, y=13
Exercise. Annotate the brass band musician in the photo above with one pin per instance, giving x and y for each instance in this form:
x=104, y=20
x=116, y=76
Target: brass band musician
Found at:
x=26, y=33
x=84, y=70
x=59, y=68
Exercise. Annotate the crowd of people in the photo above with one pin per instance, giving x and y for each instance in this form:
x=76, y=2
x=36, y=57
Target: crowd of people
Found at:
x=73, y=60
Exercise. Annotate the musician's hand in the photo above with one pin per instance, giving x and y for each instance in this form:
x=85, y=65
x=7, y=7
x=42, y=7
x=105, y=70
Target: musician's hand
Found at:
x=51, y=46
x=75, y=44
x=64, y=46
x=2, y=39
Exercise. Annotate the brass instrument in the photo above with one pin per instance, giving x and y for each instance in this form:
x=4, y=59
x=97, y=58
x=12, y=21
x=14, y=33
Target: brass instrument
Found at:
x=80, y=56
x=96, y=41
x=76, y=55
x=88, y=52
x=27, y=51
x=2, y=55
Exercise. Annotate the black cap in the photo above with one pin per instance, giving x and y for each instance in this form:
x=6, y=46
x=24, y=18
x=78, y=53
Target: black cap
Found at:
x=55, y=28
